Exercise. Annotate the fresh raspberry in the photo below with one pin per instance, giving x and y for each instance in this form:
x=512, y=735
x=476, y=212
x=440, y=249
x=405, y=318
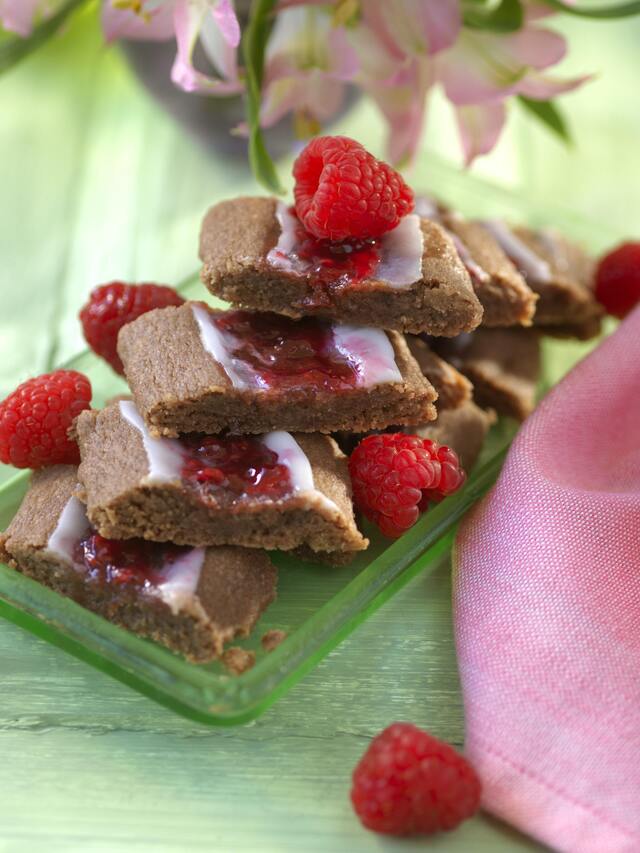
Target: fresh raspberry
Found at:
x=618, y=279
x=394, y=477
x=35, y=419
x=112, y=306
x=342, y=192
x=409, y=782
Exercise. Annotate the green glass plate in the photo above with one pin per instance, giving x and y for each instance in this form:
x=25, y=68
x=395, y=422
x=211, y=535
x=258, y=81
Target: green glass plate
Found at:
x=317, y=606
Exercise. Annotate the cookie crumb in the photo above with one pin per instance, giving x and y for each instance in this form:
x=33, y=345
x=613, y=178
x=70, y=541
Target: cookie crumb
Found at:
x=238, y=660
x=272, y=639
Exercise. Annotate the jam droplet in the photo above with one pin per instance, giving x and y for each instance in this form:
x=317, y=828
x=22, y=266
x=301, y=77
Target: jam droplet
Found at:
x=232, y=469
x=287, y=354
x=125, y=563
x=330, y=267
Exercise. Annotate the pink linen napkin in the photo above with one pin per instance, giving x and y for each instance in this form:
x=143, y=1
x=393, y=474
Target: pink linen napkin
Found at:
x=547, y=613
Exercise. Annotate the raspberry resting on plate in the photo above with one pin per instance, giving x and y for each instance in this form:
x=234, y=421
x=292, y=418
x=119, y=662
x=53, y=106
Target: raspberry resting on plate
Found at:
x=112, y=306
x=409, y=782
x=618, y=280
x=342, y=192
x=36, y=417
x=395, y=476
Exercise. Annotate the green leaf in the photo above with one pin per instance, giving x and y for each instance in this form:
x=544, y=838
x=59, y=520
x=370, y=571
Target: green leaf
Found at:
x=619, y=10
x=548, y=113
x=507, y=17
x=15, y=48
x=253, y=47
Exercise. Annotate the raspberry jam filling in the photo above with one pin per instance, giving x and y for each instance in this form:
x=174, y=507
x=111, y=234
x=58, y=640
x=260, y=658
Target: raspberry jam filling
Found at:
x=328, y=263
x=329, y=267
x=169, y=572
x=234, y=468
x=264, y=352
x=126, y=563
x=277, y=352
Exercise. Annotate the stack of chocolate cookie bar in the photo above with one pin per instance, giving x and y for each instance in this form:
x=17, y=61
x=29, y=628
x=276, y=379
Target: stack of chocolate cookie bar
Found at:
x=227, y=445
x=473, y=298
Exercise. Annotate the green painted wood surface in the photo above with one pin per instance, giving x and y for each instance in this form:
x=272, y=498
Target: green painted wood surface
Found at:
x=97, y=182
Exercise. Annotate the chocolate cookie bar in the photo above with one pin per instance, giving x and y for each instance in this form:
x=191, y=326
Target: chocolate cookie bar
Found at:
x=256, y=255
x=506, y=298
x=502, y=364
x=464, y=429
x=453, y=388
x=192, y=600
x=559, y=271
x=268, y=491
x=194, y=369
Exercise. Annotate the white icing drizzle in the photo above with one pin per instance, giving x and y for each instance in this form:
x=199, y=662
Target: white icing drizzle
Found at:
x=401, y=250
x=290, y=454
x=181, y=579
x=549, y=242
x=530, y=265
x=216, y=343
x=281, y=255
x=72, y=525
x=427, y=208
x=474, y=269
x=371, y=351
x=164, y=455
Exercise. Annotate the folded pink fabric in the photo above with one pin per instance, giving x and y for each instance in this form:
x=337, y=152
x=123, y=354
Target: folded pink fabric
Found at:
x=547, y=613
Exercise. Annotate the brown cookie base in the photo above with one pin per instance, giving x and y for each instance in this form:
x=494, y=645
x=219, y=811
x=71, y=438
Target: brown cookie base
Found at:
x=179, y=388
x=463, y=429
x=567, y=299
x=502, y=364
x=122, y=503
x=453, y=388
x=235, y=587
x=506, y=298
x=238, y=234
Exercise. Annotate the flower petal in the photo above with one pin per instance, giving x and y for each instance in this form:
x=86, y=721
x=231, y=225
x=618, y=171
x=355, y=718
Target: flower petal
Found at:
x=480, y=128
x=225, y=17
x=404, y=109
x=484, y=67
x=154, y=22
x=190, y=18
x=18, y=16
x=413, y=28
x=307, y=62
x=542, y=88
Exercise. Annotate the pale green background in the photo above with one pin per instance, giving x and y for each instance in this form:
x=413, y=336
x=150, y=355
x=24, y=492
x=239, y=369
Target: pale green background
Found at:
x=97, y=182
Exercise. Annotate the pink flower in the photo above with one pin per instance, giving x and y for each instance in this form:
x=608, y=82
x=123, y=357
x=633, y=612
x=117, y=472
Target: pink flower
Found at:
x=308, y=62
x=483, y=69
x=395, y=42
x=19, y=16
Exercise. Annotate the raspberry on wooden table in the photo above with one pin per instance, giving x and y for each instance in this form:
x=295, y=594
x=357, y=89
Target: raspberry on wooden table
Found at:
x=618, y=279
x=112, y=306
x=409, y=782
x=35, y=419
x=342, y=192
x=395, y=476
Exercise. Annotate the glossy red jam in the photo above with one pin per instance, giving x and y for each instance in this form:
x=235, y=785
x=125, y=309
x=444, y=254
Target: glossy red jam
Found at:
x=287, y=354
x=330, y=267
x=233, y=468
x=126, y=563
